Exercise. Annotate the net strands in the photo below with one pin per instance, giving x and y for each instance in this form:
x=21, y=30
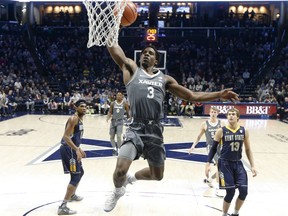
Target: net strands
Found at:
x=104, y=19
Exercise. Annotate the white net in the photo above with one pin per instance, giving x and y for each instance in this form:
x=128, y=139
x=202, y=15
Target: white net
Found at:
x=104, y=19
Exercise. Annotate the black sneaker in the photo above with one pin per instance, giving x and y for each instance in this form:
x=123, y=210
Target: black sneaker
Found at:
x=234, y=215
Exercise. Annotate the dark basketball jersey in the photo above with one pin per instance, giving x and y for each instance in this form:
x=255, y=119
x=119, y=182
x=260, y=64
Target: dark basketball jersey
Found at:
x=77, y=133
x=210, y=131
x=118, y=110
x=232, y=143
x=146, y=95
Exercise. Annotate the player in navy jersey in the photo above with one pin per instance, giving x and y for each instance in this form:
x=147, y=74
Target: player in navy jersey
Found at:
x=232, y=173
x=146, y=87
x=71, y=155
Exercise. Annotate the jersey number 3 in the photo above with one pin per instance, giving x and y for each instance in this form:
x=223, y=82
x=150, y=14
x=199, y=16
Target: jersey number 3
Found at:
x=150, y=92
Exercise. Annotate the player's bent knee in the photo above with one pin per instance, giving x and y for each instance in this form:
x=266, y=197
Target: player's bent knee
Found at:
x=157, y=174
x=118, y=173
x=229, y=195
x=158, y=178
x=75, y=179
x=243, y=192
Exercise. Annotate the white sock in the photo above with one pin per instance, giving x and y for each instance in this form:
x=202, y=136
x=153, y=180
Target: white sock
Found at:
x=64, y=203
x=133, y=177
x=236, y=212
x=225, y=214
x=118, y=190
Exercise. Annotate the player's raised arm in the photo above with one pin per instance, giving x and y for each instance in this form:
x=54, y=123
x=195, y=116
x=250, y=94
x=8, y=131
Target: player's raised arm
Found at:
x=118, y=55
x=127, y=65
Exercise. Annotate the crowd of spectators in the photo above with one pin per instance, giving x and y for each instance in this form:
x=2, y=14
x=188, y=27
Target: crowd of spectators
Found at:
x=274, y=87
x=19, y=77
x=79, y=72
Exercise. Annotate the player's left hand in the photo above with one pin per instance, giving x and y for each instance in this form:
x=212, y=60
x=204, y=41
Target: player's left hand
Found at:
x=80, y=154
x=254, y=171
x=228, y=94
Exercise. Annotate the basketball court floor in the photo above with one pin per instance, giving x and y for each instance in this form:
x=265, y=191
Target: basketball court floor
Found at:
x=33, y=183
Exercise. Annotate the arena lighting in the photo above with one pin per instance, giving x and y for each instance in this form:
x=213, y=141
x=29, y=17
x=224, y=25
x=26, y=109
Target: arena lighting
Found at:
x=60, y=1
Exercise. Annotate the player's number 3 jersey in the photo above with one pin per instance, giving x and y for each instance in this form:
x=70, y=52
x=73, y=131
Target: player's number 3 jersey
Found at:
x=146, y=94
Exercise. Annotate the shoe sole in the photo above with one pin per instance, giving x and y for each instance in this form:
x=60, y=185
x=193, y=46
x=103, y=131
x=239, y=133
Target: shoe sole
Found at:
x=67, y=214
x=108, y=210
x=75, y=200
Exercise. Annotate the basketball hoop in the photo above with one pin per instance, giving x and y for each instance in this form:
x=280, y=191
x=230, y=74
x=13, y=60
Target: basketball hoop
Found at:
x=104, y=19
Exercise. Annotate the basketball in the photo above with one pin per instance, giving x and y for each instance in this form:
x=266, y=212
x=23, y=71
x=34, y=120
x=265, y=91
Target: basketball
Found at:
x=129, y=14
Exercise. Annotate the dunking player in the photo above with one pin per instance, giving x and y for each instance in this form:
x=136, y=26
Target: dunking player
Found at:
x=231, y=170
x=71, y=155
x=209, y=128
x=146, y=87
x=117, y=111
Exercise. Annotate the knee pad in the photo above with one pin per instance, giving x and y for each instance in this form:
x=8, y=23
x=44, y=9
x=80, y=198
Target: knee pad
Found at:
x=229, y=195
x=128, y=151
x=243, y=191
x=133, y=138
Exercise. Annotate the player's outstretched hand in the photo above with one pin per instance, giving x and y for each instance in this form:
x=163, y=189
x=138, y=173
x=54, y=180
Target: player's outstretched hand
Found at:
x=228, y=94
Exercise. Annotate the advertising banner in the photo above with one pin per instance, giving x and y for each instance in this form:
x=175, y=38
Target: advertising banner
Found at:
x=246, y=109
